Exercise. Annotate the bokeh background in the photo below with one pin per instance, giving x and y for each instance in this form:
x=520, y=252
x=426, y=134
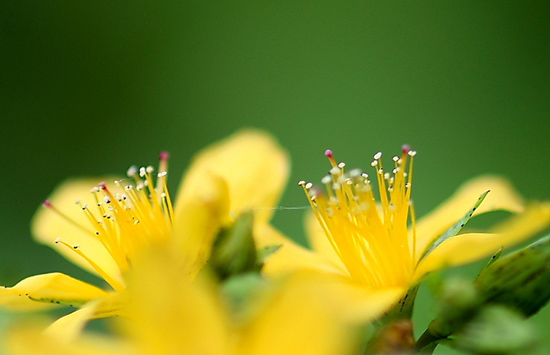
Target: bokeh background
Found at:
x=90, y=88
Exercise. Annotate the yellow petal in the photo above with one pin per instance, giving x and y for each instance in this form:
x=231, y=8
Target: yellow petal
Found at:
x=170, y=315
x=290, y=256
x=302, y=316
x=319, y=241
x=69, y=327
x=251, y=162
x=29, y=337
x=53, y=288
x=469, y=247
x=198, y=220
x=503, y=196
x=48, y=225
x=115, y=304
x=356, y=302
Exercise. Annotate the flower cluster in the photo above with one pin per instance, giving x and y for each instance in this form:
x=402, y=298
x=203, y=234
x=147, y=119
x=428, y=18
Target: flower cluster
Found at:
x=203, y=271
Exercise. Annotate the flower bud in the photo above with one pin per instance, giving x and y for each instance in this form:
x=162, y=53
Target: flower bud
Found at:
x=496, y=330
x=519, y=280
x=458, y=302
x=234, y=251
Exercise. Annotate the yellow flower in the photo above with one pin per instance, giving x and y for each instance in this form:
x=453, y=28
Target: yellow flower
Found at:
x=378, y=245
x=111, y=225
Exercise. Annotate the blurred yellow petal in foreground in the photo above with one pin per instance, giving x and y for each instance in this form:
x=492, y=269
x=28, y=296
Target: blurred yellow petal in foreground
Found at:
x=297, y=314
x=293, y=315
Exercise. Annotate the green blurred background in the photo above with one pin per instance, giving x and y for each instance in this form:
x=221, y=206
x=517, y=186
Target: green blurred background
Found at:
x=89, y=88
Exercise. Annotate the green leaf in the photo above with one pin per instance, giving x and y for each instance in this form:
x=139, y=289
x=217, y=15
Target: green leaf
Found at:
x=264, y=253
x=494, y=258
x=453, y=231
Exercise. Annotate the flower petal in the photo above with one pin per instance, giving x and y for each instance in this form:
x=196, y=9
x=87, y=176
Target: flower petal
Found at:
x=48, y=225
x=171, y=315
x=53, y=288
x=198, y=219
x=30, y=337
x=469, y=247
x=357, y=302
x=307, y=313
x=290, y=256
x=251, y=162
x=69, y=327
x=503, y=196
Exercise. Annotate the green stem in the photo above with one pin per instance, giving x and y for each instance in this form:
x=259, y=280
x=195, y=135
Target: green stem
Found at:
x=426, y=343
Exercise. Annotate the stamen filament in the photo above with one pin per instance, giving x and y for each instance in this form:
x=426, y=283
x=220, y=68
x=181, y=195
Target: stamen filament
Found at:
x=117, y=286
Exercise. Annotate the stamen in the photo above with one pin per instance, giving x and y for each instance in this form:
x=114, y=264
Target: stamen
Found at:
x=125, y=218
x=413, y=227
x=330, y=157
x=48, y=204
x=374, y=247
x=163, y=165
x=115, y=284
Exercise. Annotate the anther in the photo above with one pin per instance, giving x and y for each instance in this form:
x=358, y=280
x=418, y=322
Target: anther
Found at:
x=335, y=171
x=355, y=173
x=132, y=171
x=327, y=179
x=164, y=156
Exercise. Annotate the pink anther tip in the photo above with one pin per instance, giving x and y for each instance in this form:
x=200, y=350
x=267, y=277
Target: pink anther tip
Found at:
x=103, y=186
x=328, y=153
x=405, y=148
x=164, y=155
x=47, y=203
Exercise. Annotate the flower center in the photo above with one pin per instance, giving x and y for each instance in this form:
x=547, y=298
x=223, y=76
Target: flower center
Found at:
x=127, y=217
x=371, y=238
